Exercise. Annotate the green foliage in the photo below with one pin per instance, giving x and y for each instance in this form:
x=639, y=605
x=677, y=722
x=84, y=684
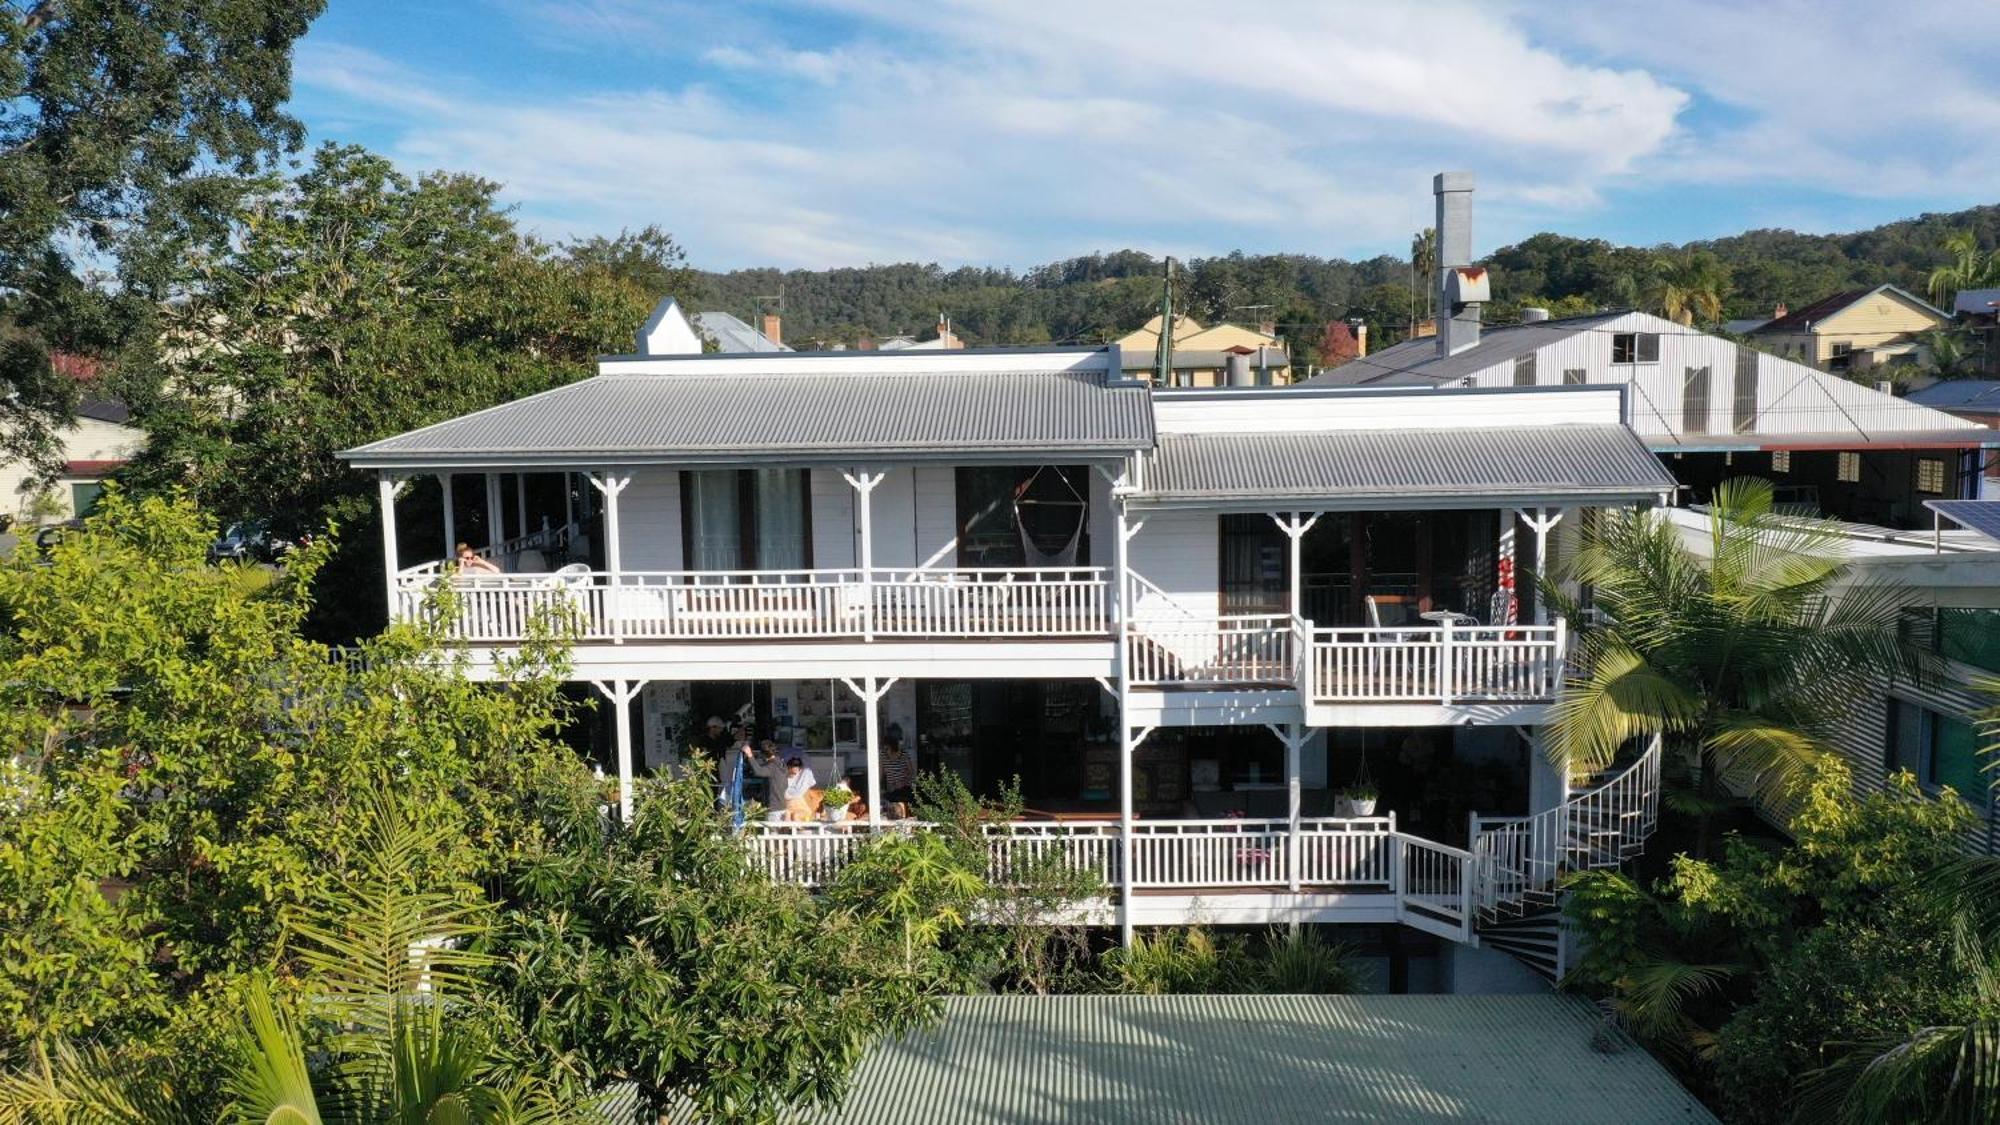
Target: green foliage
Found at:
x=658, y=955
x=120, y=123
x=1746, y=655
x=1192, y=961
x=355, y=303
x=193, y=773
x=1751, y=970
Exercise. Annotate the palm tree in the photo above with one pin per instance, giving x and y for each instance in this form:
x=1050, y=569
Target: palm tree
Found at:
x=1423, y=270
x=1745, y=654
x=1692, y=286
x=1969, y=268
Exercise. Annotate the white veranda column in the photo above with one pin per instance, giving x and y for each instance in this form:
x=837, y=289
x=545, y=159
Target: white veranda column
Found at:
x=450, y=519
x=1541, y=521
x=621, y=693
x=386, y=484
x=864, y=484
x=495, y=533
x=871, y=690
x=1295, y=525
x=610, y=484
x=1293, y=735
x=520, y=503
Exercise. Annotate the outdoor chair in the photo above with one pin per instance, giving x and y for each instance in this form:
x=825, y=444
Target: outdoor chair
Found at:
x=1392, y=611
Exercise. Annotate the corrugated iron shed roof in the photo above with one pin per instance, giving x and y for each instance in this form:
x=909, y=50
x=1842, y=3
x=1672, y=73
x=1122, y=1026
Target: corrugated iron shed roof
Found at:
x=1415, y=362
x=1257, y=1060
x=733, y=336
x=1358, y=467
x=776, y=417
x=1976, y=395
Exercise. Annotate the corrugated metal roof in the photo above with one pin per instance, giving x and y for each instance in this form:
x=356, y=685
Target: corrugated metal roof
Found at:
x=1255, y=1060
x=1977, y=395
x=1415, y=362
x=772, y=416
x=1352, y=466
x=733, y=336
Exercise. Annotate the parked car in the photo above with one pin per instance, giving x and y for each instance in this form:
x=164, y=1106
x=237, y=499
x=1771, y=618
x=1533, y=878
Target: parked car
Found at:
x=51, y=534
x=248, y=542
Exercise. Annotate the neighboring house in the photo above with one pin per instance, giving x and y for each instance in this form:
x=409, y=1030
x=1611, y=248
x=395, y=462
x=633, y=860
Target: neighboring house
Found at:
x=1855, y=331
x=733, y=336
x=97, y=444
x=1713, y=409
x=1185, y=620
x=1978, y=312
x=945, y=340
x=1977, y=401
x=1929, y=730
x=1201, y=355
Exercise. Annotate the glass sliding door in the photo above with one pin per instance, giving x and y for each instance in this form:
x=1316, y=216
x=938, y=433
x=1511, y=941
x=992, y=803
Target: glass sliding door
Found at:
x=746, y=519
x=714, y=505
x=783, y=538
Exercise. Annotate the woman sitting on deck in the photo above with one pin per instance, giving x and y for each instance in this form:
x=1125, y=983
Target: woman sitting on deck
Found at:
x=799, y=782
x=472, y=562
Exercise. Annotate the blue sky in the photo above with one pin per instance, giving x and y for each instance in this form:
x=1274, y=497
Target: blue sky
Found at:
x=1013, y=132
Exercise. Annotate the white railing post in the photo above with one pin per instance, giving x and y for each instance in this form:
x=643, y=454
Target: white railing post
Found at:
x=450, y=516
x=1447, y=677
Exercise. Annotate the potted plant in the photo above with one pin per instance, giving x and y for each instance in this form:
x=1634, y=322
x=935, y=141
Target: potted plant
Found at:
x=1357, y=799
x=834, y=802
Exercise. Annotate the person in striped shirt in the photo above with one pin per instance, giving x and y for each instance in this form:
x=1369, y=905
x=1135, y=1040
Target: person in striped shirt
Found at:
x=899, y=779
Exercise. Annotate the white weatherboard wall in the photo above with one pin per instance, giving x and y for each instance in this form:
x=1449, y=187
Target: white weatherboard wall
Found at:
x=649, y=520
x=90, y=439
x=832, y=520
x=1289, y=410
x=936, y=499
x=1792, y=398
x=894, y=518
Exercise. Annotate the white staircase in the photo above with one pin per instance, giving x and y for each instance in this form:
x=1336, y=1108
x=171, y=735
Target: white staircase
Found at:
x=1519, y=863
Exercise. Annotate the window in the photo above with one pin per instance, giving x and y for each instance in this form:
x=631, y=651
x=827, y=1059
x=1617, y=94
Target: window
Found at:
x=1847, y=468
x=1781, y=460
x=1966, y=635
x=1255, y=560
x=1744, y=411
x=1840, y=357
x=1024, y=515
x=1930, y=475
x=1938, y=749
x=83, y=496
x=1635, y=347
x=1524, y=370
x=1694, y=401
x=1573, y=376
x=746, y=519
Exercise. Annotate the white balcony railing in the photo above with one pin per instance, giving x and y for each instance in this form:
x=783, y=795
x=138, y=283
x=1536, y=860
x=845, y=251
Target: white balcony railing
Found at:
x=771, y=604
x=1447, y=664
x=1233, y=651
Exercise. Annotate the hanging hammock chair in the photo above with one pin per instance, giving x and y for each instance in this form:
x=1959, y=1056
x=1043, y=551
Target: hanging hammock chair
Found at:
x=1062, y=512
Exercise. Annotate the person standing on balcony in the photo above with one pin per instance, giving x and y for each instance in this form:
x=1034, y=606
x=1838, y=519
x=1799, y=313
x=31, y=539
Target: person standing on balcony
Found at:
x=472, y=562
x=899, y=779
x=771, y=768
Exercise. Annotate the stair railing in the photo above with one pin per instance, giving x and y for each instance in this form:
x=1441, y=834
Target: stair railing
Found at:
x=1520, y=861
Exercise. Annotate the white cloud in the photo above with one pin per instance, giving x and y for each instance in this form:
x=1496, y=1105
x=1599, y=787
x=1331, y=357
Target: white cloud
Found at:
x=846, y=131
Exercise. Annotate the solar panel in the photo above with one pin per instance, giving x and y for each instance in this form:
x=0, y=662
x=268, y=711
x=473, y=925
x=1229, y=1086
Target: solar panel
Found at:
x=1982, y=516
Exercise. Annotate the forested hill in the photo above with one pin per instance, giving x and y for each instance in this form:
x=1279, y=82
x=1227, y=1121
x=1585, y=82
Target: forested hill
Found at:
x=1092, y=298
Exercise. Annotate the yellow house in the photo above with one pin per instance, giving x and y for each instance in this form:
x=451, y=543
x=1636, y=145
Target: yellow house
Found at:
x=1854, y=331
x=1200, y=354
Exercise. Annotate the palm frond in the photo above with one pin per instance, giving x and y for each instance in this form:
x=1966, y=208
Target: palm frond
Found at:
x=1767, y=759
x=82, y=1086
x=384, y=936
x=1936, y=1074
x=270, y=1084
x=1658, y=991
x=1619, y=697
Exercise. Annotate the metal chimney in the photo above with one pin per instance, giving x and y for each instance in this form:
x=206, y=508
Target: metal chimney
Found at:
x=1460, y=287
x=1237, y=364
x=1530, y=314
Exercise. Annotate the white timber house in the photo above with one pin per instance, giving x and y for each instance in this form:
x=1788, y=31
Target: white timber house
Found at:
x=1191, y=623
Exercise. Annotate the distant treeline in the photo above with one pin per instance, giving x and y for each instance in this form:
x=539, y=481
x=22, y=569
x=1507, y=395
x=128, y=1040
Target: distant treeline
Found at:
x=1100, y=296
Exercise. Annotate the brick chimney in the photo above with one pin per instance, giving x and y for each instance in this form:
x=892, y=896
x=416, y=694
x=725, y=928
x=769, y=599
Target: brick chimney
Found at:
x=1780, y=312
x=1268, y=327
x=1360, y=338
x=773, y=328
x=865, y=344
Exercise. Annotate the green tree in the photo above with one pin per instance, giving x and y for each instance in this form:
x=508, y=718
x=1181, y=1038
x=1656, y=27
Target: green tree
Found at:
x=1970, y=267
x=120, y=122
x=1691, y=286
x=656, y=954
x=1754, y=969
x=354, y=304
x=1745, y=654
x=189, y=771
